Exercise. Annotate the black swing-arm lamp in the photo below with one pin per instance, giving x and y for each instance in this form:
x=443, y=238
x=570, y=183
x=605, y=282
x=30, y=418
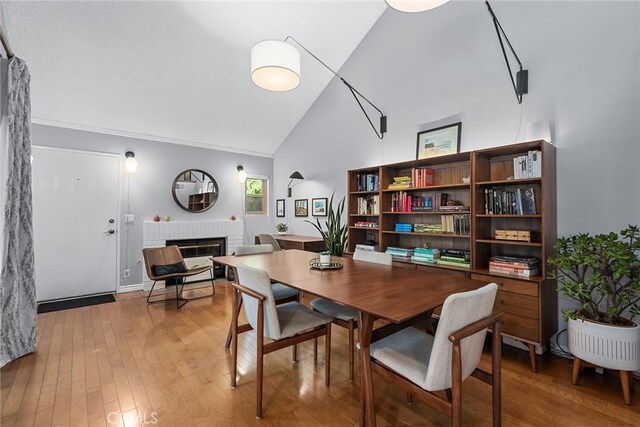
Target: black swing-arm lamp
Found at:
x=521, y=82
x=275, y=65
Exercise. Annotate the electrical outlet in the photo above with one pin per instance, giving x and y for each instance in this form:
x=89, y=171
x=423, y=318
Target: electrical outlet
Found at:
x=127, y=273
x=129, y=218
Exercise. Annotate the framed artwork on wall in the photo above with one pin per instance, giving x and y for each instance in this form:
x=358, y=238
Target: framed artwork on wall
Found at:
x=280, y=208
x=302, y=207
x=439, y=141
x=319, y=207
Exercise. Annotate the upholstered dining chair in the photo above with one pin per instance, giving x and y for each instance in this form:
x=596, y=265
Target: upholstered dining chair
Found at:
x=268, y=239
x=345, y=316
x=285, y=324
x=281, y=293
x=166, y=263
x=423, y=364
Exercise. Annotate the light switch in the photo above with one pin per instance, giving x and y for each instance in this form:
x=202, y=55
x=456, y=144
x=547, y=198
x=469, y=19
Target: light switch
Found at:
x=129, y=218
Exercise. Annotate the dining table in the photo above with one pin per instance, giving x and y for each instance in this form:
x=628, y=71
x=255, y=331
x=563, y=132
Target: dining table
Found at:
x=401, y=297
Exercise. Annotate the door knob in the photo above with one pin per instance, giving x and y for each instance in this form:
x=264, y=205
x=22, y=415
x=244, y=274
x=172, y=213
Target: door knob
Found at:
x=111, y=220
x=109, y=231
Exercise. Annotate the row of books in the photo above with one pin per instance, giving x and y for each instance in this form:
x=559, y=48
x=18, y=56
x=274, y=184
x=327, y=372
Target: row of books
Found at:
x=506, y=202
x=406, y=202
x=368, y=205
x=401, y=183
x=528, y=166
x=366, y=224
x=368, y=182
x=514, y=266
x=422, y=177
x=449, y=224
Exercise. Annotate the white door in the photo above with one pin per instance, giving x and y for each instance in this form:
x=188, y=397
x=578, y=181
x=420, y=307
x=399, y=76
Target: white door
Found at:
x=75, y=222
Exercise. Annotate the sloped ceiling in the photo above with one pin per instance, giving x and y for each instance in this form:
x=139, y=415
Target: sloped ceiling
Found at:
x=178, y=71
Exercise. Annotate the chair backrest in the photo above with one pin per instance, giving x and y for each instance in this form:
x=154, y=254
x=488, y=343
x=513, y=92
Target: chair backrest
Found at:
x=375, y=257
x=458, y=311
x=161, y=256
x=259, y=281
x=268, y=239
x=253, y=249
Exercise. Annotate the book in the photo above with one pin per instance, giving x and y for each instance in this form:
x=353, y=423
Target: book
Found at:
x=453, y=263
x=514, y=271
x=528, y=202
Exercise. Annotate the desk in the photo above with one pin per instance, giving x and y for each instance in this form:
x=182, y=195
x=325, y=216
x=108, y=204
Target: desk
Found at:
x=397, y=295
x=303, y=243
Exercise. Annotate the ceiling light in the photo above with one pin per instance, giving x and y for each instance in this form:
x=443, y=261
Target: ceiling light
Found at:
x=411, y=6
x=275, y=65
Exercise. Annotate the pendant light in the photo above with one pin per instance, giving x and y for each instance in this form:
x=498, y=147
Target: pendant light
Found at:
x=411, y=6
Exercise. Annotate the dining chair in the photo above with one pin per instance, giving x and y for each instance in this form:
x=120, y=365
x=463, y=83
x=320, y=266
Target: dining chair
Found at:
x=166, y=263
x=268, y=239
x=345, y=316
x=285, y=325
x=281, y=293
x=423, y=364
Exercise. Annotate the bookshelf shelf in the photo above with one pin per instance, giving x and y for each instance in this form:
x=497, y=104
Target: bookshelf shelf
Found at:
x=509, y=182
x=426, y=264
x=364, y=215
x=427, y=213
x=445, y=235
x=508, y=242
x=429, y=188
x=507, y=216
x=485, y=271
x=362, y=193
x=363, y=228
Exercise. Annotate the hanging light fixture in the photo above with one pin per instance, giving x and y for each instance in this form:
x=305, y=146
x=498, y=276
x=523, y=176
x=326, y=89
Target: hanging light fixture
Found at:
x=275, y=65
x=131, y=164
x=242, y=174
x=411, y=6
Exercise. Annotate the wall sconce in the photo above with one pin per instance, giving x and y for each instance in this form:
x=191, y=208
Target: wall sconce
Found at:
x=130, y=163
x=295, y=175
x=242, y=175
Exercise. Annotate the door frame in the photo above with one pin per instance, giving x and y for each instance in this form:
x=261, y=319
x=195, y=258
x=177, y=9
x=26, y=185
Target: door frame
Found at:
x=119, y=195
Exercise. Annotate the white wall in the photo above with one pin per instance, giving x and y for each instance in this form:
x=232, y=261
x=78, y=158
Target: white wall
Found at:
x=443, y=66
x=150, y=187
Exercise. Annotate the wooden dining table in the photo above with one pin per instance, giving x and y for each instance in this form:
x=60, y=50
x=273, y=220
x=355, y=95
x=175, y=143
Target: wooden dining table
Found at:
x=400, y=296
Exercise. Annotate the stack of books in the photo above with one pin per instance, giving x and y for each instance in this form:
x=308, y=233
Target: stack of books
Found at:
x=403, y=228
x=366, y=224
x=514, y=266
x=426, y=255
x=400, y=183
x=454, y=208
x=367, y=248
x=528, y=166
x=402, y=254
x=422, y=177
x=428, y=228
x=460, y=258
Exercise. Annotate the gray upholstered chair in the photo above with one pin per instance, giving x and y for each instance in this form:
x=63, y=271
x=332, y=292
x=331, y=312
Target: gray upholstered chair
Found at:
x=285, y=324
x=281, y=293
x=268, y=239
x=422, y=363
x=345, y=316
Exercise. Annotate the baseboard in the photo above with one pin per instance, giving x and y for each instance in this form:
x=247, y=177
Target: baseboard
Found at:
x=130, y=288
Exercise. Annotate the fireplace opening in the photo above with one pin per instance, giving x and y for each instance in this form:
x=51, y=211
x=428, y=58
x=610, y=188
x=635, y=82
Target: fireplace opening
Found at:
x=197, y=252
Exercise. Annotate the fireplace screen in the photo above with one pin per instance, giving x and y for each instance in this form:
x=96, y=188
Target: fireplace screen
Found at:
x=198, y=251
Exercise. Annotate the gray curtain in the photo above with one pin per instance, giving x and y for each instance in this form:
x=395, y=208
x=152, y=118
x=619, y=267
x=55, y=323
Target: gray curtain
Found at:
x=18, y=290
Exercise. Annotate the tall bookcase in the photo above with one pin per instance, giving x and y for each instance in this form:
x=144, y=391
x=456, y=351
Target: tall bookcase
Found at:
x=528, y=305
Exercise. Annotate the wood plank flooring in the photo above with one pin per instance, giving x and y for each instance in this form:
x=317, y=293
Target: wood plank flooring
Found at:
x=133, y=364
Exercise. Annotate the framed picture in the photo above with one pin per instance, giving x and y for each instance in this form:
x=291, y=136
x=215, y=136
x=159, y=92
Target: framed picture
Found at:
x=319, y=207
x=302, y=207
x=280, y=208
x=439, y=141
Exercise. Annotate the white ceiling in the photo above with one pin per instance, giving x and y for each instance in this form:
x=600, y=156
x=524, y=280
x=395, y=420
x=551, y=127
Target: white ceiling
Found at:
x=178, y=71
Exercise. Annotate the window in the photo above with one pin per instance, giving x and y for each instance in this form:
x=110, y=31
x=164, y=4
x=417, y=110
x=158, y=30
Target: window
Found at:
x=255, y=196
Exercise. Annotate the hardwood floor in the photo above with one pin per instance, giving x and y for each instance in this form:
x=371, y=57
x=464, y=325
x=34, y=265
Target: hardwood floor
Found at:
x=129, y=363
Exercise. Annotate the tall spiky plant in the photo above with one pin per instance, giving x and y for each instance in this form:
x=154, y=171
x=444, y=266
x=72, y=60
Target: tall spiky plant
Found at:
x=335, y=233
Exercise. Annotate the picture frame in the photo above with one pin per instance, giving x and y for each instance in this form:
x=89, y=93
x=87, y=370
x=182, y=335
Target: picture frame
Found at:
x=280, y=208
x=301, y=207
x=439, y=141
x=319, y=206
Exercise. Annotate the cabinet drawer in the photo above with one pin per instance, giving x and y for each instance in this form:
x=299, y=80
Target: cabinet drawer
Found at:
x=518, y=304
x=285, y=244
x=519, y=326
x=442, y=270
x=510, y=285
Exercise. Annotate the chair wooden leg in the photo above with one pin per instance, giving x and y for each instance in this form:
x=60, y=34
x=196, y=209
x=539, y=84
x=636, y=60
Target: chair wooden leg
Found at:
x=294, y=353
x=456, y=386
x=409, y=398
x=259, y=359
x=351, y=349
x=213, y=287
x=496, y=374
x=327, y=352
x=234, y=335
x=315, y=349
x=576, y=370
x=625, y=379
x=235, y=315
x=365, y=325
x=532, y=357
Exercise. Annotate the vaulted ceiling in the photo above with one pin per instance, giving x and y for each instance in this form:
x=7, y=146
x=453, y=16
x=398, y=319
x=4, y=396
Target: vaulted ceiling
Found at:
x=178, y=71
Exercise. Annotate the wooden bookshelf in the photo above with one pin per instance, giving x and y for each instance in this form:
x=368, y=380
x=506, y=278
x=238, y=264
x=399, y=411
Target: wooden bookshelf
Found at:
x=528, y=304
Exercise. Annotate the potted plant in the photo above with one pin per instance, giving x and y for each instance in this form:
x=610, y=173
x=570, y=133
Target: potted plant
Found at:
x=282, y=228
x=602, y=273
x=325, y=257
x=334, y=232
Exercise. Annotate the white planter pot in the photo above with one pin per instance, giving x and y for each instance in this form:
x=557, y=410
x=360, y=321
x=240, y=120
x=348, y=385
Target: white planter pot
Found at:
x=611, y=347
x=325, y=259
x=282, y=233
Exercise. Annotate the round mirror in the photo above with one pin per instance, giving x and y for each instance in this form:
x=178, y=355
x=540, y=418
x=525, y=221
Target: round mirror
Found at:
x=194, y=190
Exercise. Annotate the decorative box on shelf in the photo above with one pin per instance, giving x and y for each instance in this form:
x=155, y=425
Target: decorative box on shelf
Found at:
x=517, y=235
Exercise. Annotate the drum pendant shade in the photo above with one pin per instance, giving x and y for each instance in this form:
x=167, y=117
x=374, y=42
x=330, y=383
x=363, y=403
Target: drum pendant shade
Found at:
x=275, y=65
x=415, y=5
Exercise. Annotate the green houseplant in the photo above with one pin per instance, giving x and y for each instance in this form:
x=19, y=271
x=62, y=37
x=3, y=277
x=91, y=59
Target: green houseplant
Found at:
x=282, y=228
x=602, y=273
x=334, y=232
